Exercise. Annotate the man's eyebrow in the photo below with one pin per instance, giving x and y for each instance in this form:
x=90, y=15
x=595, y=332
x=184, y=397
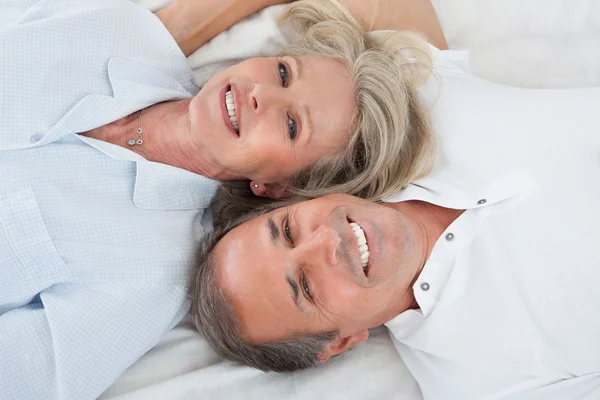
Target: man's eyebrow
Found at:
x=275, y=234
x=273, y=229
x=295, y=291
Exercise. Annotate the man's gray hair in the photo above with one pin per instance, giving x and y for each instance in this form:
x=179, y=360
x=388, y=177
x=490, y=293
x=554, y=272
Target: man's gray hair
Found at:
x=214, y=318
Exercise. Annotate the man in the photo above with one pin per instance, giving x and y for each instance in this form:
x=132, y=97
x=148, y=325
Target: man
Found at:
x=485, y=273
x=95, y=242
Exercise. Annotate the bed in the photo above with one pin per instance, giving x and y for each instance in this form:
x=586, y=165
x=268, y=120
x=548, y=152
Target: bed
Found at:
x=543, y=44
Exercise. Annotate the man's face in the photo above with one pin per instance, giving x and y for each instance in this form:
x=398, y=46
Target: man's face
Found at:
x=299, y=270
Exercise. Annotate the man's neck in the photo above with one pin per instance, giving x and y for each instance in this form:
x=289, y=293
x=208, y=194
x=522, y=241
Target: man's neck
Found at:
x=433, y=220
x=430, y=222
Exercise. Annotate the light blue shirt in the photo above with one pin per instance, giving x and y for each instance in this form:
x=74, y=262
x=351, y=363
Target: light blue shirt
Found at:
x=95, y=241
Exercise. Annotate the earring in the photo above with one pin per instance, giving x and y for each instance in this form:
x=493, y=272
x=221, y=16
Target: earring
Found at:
x=256, y=186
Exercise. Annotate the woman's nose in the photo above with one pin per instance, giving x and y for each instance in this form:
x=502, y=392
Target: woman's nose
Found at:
x=264, y=96
x=320, y=248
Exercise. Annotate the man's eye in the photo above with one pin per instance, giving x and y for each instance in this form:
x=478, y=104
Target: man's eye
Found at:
x=283, y=73
x=292, y=129
x=287, y=232
x=305, y=286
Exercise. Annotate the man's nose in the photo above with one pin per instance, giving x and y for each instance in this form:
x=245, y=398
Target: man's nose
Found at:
x=320, y=248
x=265, y=96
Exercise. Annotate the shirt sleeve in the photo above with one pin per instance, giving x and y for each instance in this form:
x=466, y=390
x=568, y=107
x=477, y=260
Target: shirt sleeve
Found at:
x=77, y=340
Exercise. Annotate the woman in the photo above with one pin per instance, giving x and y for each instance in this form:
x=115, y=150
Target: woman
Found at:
x=390, y=140
x=267, y=133
x=108, y=162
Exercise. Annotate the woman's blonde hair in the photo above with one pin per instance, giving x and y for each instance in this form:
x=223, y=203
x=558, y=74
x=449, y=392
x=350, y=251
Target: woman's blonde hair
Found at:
x=391, y=142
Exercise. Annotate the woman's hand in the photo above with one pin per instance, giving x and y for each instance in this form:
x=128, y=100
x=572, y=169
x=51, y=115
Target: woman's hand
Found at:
x=194, y=22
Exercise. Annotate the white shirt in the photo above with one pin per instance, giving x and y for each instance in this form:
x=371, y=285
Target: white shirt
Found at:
x=95, y=241
x=509, y=299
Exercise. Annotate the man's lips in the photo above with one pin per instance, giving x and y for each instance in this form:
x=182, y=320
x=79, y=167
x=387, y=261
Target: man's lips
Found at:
x=358, y=236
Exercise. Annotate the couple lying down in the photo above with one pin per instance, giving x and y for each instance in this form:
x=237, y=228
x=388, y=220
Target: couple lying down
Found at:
x=484, y=271
x=111, y=154
x=284, y=288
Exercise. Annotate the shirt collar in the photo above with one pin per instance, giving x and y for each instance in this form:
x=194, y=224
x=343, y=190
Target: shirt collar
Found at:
x=157, y=186
x=439, y=277
x=160, y=186
x=134, y=86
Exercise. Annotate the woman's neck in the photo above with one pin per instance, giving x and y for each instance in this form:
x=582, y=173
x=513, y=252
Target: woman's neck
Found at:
x=165, y=133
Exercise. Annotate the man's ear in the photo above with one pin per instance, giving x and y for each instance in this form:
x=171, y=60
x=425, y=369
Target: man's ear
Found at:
x=276, y=191
x=340, y=345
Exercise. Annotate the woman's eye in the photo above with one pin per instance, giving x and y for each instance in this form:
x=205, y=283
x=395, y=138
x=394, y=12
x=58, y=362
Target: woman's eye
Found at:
x=292, y=129
x=283, y=73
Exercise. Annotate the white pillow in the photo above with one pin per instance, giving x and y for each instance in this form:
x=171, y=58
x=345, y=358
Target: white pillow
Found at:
x=258, y=35
x=533, y=43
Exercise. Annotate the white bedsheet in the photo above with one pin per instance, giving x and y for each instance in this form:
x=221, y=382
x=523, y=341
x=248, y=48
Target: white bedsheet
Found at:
x=549, y=43
x=182, y=366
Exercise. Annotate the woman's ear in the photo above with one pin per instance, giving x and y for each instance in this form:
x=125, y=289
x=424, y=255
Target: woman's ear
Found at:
x=276, y=191
x=340, y=345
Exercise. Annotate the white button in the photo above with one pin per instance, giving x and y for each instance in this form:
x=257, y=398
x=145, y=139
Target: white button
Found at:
x=35, y=138
x=424, y=286
x=450, y=237
x=482, y=202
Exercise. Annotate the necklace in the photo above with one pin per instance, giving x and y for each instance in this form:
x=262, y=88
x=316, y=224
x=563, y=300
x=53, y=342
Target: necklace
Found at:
x=139, y=131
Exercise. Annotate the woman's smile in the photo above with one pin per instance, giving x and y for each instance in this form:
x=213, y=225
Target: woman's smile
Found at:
x=230, y=110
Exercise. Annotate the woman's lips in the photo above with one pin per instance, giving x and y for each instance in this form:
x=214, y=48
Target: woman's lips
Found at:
x=225, y=113
x=237, y=100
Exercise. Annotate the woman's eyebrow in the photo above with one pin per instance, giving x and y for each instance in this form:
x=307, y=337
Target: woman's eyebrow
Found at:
x=309, y=129
x=299, y=67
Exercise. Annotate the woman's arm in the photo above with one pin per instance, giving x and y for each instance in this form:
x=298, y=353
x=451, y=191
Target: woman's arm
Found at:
x=400, y=14
x=194, y=22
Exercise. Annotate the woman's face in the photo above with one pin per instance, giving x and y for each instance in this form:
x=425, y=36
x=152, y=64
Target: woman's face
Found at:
x=283, y=115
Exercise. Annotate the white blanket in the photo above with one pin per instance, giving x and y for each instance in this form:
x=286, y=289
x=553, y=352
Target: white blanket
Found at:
x=546, y=43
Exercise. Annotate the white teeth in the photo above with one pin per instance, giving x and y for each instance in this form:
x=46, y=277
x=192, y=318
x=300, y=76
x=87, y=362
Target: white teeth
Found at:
x=363, y=248
x=231, y=110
